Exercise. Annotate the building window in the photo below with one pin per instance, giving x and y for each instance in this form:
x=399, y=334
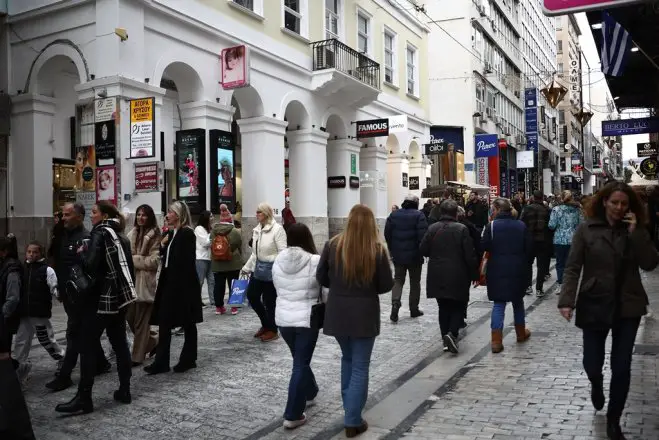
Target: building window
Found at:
x=561, y=117
x=389, y=57
x=560, y=68
x=560, y=46
x=332, y=18
x=293, y=16
x=248, y=4
x=363, y=33
x=412, y=71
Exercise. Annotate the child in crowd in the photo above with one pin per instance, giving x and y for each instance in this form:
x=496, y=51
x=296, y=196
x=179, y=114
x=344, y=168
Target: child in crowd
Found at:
x=40, y=285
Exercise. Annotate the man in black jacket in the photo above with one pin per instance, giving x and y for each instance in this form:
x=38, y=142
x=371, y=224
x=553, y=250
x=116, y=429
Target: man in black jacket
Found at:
x=536, y=218
x=65, y=258
x=403, y=232
x=476, y=211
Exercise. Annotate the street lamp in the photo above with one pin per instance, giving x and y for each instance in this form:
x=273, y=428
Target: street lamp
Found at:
x=554, y=93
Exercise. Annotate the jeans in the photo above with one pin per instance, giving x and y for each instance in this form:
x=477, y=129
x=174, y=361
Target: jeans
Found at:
x=302, y=386
x=93, y=326
x=355, y=363
x=45, y=336
x=562, y=251
x=189, y=351
x=451, y=316
x=14, y=417
x=400, y=271
x=499, y=313
x=542, y=255
x=222, y=278
x=74, y=333
x=204, y=273
x=623, y=335
x=262, y=296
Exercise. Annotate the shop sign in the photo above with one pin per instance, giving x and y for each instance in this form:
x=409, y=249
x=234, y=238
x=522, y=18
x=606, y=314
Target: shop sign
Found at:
x=575, y=77
x=622, y=127
x=88, y=200
x=354, y=182
x=353, y=164
x=235, y=67
x=414, y=182
x=442, y=135
x=525, y=159
x=513, y=182
x=435, y=148
x=142, y=127
x=372, y=128
x=503, y=144
x=486, y=145
x=148, y=177
x=493, y=176
x=428, y=181
x=649, y=167
x=481, y=171
x=336, y=182
x=190, y=163
x=531, y=118
x=405, y=180
x=367, y=179
x=382, y=181
x=105, y=142
x=564, y=7
x=646, y=149
x=504, y=183
x=104, y=109
x=398, y=124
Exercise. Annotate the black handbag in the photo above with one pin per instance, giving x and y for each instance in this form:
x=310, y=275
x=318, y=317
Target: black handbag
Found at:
x=79, y=283
x=318, y=312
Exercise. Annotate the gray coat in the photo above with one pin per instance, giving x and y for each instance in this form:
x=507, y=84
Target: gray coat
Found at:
x=352, y=311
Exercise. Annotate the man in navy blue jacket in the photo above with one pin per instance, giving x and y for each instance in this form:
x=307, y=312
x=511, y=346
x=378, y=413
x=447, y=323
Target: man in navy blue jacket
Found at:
x=403, y=232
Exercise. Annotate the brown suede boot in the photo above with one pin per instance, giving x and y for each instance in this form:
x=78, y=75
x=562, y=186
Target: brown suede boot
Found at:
x=497, y=341
x=523, y=333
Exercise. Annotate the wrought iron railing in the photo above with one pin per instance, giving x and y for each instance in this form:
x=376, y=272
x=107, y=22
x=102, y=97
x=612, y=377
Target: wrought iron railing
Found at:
x=332, y=54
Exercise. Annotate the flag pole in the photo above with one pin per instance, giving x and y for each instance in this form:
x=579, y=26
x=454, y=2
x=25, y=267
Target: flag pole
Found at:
x=645, y=54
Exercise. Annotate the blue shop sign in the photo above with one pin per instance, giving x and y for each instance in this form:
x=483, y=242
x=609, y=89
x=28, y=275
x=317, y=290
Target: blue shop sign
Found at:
x=623, y=127
x=486, y=145
x=513, y=182
x=448, y=135
x=503, y=183
x=530, y=98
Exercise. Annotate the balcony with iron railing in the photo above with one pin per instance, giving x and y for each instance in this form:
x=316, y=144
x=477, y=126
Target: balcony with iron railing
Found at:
x=341, y=70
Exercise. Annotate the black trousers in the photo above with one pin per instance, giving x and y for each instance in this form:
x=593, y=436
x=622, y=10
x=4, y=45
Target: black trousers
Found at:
x=74, y=333
x=451, y=315
x=189, y=351
x=222, y=278
x=264, y=308
x=93, y=325
x=623, y=335
x=542, y=255
x=15, y=421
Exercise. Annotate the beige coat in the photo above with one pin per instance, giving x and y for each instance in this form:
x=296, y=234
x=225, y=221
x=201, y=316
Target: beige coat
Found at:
x=146, y=261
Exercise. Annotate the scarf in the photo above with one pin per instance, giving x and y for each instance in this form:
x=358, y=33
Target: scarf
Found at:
x=119, y=288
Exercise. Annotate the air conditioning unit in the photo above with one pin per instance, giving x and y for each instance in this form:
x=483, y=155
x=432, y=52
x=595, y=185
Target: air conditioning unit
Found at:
x=494, y=27
x=489, y=112
x=543, y=133
x=325, y=58
x=518, y=94
x=483, y=119
x=497, y=121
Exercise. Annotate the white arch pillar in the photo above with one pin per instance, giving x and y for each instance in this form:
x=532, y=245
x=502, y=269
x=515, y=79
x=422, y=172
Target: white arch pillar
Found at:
x=419, y=168
x=374, y=182
x=397, y=164
x=341, y=200
x=307, y=162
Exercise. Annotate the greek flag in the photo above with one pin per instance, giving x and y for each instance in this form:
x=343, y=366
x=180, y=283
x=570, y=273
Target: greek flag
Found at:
x=616, y=44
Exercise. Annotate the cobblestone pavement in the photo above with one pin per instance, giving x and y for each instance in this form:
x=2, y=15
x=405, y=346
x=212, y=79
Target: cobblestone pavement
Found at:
x=239, y=389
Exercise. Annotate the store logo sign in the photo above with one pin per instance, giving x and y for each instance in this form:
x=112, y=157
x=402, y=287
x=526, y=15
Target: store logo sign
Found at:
x=373, y=128
x=486, y=145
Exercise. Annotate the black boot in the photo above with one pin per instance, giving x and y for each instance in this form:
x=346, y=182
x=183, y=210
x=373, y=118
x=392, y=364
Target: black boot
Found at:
x=416, y=313
x=613, y=430
x=123, y=394
x=81, y=403
x=60, y=383
x=597, y=393
x=395, y=307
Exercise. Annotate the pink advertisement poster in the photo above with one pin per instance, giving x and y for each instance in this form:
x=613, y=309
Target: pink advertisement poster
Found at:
x=235, y=67
x=560, y=7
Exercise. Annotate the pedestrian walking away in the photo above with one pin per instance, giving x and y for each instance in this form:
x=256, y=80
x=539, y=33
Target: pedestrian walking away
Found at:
x=203, y=253
x=607, y=252
x=564, y=220
x=403, y=233
x=536, y=218
x=227, y=260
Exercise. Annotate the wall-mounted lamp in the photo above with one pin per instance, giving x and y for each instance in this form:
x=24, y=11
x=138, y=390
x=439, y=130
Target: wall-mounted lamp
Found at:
x=121, y=33
x=92, y=76
x=217, y=100
x=146, y=80
x=102, y=94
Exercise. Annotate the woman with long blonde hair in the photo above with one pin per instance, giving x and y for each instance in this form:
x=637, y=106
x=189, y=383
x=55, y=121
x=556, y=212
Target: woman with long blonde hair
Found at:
x=355, y=267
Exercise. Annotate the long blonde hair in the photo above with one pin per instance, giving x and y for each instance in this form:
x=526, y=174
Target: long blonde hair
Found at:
x=358, y=247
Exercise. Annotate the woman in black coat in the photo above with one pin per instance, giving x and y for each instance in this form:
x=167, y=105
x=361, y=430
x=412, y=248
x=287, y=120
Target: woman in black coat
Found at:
x=451, y=269
x=178, y=295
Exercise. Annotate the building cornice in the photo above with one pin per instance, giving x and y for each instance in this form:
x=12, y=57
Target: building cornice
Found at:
x=35, y=13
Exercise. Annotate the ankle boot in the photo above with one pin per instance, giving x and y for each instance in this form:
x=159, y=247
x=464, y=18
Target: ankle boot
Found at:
x=81, y=403
x=123, y=395
x=597, y=393
x=354, y=431
x=497, y=341
x=613, y=430
x=395, y=307
x=523, y=333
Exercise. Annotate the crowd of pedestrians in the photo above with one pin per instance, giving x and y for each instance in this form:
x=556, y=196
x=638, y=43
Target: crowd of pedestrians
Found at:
x=110, y=280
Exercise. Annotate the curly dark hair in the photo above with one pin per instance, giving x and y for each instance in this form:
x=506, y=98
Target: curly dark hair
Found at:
x=595, y=206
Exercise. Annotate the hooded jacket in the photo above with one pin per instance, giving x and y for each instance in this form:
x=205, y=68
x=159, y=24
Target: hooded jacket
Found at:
x=236, y=243
x=294, y=276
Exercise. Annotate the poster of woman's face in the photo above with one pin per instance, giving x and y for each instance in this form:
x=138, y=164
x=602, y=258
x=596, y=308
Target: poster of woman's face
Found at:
x=106, y=184
x=235, y=67
x=85, y=164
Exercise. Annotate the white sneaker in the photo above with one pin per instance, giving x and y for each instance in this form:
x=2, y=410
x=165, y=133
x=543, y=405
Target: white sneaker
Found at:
x=292, y=424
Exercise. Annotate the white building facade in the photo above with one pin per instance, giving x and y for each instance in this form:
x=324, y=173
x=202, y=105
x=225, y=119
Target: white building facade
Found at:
x=314, y=71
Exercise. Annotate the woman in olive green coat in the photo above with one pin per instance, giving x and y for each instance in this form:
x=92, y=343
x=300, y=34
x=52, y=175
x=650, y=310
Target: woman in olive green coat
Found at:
x=225, y=271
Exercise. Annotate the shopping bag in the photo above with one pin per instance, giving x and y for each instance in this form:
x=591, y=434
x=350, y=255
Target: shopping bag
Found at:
x=482, y=270
x=238, y=292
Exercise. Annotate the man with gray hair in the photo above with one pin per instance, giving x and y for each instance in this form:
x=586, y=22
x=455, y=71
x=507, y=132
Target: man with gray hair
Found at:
x=403, y=232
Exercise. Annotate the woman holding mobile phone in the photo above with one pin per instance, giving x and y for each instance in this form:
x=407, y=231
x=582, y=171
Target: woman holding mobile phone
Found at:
x=610, y=247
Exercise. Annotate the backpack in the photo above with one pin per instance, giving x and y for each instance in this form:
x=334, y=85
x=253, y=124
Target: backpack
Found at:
x=221, y=249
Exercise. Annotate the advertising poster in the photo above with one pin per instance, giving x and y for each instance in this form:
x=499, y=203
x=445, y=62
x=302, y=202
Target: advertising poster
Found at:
x=142, y=127
x=190, y=166
x=513, y=182
x=85, y=167
x=235, y=67
x=88, y=200
x=494, y=177
x=104, y=138
x=147, y=177
x=106, y=184
x=223, y=190
x=481, y=171
x=505, y=191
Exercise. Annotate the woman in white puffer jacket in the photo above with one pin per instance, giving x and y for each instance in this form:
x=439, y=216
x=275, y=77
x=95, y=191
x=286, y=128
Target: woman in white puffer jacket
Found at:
x=294, y=276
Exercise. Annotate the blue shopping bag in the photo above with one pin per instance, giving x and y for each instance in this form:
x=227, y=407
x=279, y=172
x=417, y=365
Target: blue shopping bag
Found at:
x=238, y=292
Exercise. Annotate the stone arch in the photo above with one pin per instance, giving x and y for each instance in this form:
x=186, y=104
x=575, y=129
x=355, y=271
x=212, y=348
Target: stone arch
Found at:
x=248, y=102
x=415, y=151
x=296, y=115
x=393, y=145
x=60, y=47
x=205, y=86
x=189, y=84
x=298, y=100
x=334, y=124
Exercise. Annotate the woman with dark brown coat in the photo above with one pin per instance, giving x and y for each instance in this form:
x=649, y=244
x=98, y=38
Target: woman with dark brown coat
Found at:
x=610, y=248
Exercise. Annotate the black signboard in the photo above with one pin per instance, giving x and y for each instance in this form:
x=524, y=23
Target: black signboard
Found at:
x=649, y=167
x=105, y=144
x=354, y=182
x=223, y=172
x=191, y=168
x=405, y=180
x=436, y=148
x=372, y=128
x=646, y=149
x=414, y=182
x=428, y=181
x=336, y=182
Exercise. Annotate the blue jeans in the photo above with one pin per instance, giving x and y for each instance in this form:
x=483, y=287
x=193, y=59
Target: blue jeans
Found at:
x=561, y=251
x=302, y=386
x=355, y=364
x=499, y=313
x=204, y=272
